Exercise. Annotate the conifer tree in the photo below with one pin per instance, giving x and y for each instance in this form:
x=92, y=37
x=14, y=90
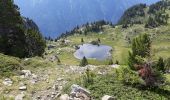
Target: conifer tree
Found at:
x=16, y=38
x=11, y=30
x=141, y=48
x=110, y=62
x=84, y=62
x=82, y=40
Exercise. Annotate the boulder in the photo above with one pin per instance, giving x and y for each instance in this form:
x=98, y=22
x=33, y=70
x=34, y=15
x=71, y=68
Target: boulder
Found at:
x=77, y=91
x=8, y=82
x=107, y=97
x=64, y=97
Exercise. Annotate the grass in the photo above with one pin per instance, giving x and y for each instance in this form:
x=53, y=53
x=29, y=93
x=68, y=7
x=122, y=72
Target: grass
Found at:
x=116, y=38
x=9, y=65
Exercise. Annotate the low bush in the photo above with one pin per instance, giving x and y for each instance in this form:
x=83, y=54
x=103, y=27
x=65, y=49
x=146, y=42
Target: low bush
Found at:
x=127, y=76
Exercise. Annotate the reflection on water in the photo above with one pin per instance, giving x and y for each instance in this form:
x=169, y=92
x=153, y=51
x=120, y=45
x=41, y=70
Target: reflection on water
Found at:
x=101, y=52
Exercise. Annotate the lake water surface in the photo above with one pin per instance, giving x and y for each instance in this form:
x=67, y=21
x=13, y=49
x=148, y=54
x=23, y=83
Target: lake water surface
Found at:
x=90, y=51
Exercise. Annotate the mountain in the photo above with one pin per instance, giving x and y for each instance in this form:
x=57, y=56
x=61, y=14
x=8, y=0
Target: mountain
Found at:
x=57, y=16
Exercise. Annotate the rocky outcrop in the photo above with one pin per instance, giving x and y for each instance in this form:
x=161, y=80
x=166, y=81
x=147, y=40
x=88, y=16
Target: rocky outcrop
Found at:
x=77, y=93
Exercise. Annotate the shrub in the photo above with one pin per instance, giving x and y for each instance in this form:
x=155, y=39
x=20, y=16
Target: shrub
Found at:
x=128, y=76
x=88, y=78
x=95, y=43
x=151, y=77
x=160, y=65
x=167, y=64
x=82, y=40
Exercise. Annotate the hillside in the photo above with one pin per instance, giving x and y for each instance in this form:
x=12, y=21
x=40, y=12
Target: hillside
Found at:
x=54, y=73
x=152, y=16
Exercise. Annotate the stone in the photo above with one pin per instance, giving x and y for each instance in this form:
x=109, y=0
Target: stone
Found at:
x=55, y=87
x=26, y=73
x=60, y=79
x=20, y=96
x=115, y=66
x=33, y=81
x=77, y=99
x=52, y=96
x=77, y=91
x=38, y=97
x=53, y=93
x=52, y=58
x=64, y=97
x=22, y=76
x=34, y=76
x=60, y=88
x=26, y=59
x=8, y=82
x=107, y=97
x=76, y=88
x=23, y=88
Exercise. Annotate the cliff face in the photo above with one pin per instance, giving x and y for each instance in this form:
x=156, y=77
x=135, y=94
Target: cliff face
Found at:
x=64, y=15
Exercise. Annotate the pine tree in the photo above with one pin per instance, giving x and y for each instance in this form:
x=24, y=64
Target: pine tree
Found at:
x=15, y=38
x=88, y=78
x=82, y=40
x=11, y=30
x=84, y=62
x=110, y=62
x=141, y=48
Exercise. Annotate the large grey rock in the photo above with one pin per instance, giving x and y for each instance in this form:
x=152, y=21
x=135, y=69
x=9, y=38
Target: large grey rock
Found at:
x=77, y=91
x=107, y=97
x=64, y=97
x=8, y=82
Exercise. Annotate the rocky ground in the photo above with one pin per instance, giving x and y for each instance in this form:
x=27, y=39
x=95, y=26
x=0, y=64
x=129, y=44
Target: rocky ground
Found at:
x=47, y=83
